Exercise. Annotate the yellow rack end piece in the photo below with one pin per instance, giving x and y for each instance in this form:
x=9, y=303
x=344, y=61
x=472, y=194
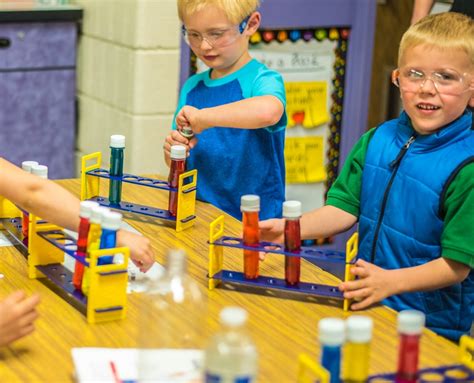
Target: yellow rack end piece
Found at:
x=352, y=246
x=466, y=349
x=185, y=215
x=216, y=253
x=309, y=371
x=107, y=298
x=8, y=209
x=40, y=251
x=90, y=185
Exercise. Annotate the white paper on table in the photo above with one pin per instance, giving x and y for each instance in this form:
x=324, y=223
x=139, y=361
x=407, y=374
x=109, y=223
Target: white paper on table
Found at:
x=93, y=365
x=4, y=240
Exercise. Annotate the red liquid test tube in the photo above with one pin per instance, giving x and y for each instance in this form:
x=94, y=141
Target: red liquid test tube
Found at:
x=177, y=167
x=292, y=214
x=410, y=326
x=250, y=207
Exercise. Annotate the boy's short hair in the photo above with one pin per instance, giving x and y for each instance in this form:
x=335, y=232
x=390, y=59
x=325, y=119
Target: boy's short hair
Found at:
x=235, y=10
x=448, y=30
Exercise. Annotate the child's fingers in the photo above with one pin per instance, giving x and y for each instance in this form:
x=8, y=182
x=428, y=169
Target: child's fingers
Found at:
x=360, y=272
x=176, y=138
x=26, y=331
x=28, y=319
x=193, y=142
x=352, y=285
x=14, y=298
x=363, y=303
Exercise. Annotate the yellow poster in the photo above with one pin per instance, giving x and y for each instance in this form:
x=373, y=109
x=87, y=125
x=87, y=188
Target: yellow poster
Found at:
x=306, y=103
x=304, y=159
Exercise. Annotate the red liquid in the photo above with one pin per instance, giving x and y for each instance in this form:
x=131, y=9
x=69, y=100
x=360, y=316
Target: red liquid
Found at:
x=408, y=359
x=251, y=237
x=83, y=233
x=292, y=244
x=176, y=169
x=25, y=220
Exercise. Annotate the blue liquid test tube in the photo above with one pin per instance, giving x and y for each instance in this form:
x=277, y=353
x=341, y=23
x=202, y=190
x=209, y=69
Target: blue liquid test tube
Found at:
x=331, y=337
x=117, y=146
x=111, y=222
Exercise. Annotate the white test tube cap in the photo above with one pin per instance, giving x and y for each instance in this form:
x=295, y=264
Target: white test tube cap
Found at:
x=40, y=171
x=111, y=220
x=250, y=202
x=187, y=131
x=97, y=213
x=292, y=209
x=117, y=141
x=359, y=329
x=85, y=209
x=411, y=322
x=178, y=152
x=331, y=331
x=233, y=316
x=27, y=165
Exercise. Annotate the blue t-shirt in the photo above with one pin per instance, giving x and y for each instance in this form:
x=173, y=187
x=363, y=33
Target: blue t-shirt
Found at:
x=233, y=162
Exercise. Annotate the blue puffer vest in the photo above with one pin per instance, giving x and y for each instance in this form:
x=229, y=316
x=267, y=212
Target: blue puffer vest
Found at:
x=401, y=219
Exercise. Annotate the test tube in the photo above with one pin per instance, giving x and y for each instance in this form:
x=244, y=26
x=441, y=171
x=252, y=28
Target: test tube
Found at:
x=82, y=234
x=250, y=206
x=410, y=327
x=357, y=349
x=331, y=337
x=117, y=146
x=177, y=167
x=292, y=214
x=111, y=222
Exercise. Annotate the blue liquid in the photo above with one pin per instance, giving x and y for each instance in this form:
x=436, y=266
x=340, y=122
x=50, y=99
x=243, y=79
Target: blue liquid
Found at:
x=331, y=361
x=108, y=240
x=116, y=169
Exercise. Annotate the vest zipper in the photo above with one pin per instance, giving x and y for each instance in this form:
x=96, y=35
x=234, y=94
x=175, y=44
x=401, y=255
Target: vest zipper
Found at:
x=395, y=164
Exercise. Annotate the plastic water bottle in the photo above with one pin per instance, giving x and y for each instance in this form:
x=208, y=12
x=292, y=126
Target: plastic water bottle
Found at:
x=172, y=316
x=231, y=356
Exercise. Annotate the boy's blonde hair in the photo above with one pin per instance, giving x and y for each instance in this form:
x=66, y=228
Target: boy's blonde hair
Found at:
x=447, y=30
x=235, y=10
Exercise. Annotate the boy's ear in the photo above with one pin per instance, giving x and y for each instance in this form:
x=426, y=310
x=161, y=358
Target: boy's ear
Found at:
x=253, y=23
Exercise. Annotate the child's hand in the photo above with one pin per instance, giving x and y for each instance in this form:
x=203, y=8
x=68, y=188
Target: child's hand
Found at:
x=191, y=116
x=175, y=138
x=271, y=230
x=17, y=314
x=141, y=252
x=374, y=284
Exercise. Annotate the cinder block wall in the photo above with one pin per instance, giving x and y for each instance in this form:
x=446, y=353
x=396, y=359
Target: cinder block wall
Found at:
x=128, y=75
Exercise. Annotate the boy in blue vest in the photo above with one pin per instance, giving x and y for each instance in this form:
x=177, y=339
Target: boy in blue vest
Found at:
x=409, y=183
x=236, y=109
x=53, y=203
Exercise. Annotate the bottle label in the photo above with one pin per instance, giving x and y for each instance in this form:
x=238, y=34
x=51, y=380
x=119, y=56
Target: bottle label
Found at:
x=213, y=378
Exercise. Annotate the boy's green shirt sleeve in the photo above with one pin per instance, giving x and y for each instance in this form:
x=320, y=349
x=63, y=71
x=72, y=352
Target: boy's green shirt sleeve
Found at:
x=457, y=239
x=345, y=192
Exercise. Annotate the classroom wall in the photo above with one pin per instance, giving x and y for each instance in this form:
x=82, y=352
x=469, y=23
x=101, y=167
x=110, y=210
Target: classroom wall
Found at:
x=128, y=69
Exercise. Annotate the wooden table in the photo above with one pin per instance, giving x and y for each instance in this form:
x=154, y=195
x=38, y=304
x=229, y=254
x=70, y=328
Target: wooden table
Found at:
x=281, y=328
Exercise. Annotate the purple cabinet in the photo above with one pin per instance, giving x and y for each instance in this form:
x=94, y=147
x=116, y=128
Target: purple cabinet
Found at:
x=37, y=94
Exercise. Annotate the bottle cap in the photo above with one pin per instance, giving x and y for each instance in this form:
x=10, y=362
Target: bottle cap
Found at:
x=331, y=331
x=40, y=171
x=411, y=322
x=187, y=131
x=27, y=165
x=233, y=316
x=250, y=202
x=111, y=220
x=86, y=207
x=117, y=141
x=178, y=152
x=97, y=213
x=359, y=329
x=292, y=209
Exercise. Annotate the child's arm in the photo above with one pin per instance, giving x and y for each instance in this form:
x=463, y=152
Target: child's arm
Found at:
x=421, y=8
x=17, y=314
x=319, y=223
x=55, y=204
x=375, y=284
x=251, y=113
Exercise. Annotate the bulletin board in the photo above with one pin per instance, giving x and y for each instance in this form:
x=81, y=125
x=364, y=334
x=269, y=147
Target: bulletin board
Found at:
x=323, y=49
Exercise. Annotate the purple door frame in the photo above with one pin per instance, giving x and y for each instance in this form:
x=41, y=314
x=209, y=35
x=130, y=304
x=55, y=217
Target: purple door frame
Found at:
x=359, y=15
